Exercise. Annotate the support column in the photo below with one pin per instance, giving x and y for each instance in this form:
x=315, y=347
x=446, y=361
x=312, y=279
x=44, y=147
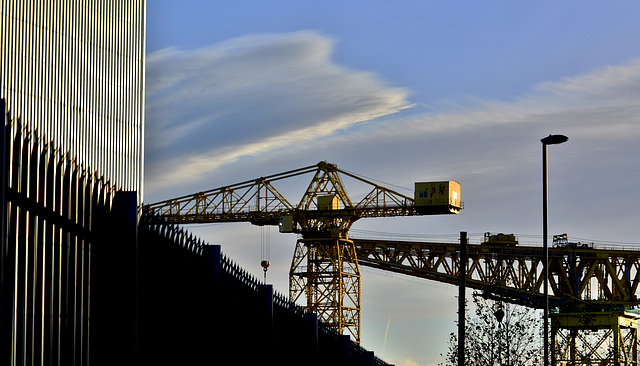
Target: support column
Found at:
x=6, y=270
x=325, y=273
x=213, y=254
x=599, y=338
x=615, y=333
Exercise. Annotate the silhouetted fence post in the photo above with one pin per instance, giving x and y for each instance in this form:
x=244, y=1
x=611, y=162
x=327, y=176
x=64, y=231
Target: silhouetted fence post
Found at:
x=345, y=347
x=311, y=327
x=266, y=315
x=213, y=255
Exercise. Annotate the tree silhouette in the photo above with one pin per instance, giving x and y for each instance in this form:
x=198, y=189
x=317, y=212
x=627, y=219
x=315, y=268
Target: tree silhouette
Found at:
x=498, y=334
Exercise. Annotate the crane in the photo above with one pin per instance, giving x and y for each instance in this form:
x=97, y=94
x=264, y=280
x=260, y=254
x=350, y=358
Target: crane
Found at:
x=324, y=272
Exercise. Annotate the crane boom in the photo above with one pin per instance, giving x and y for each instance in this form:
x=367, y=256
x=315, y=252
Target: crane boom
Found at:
x=324, y=202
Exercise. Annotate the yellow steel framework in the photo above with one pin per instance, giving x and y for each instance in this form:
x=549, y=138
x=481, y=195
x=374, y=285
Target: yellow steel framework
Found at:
x=582, y=277
x=324, y=270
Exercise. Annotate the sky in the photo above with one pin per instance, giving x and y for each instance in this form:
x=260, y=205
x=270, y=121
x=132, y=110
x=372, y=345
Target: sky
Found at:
x=402, y=92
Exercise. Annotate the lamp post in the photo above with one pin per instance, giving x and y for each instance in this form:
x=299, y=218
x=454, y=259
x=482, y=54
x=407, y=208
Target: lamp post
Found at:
x=549, y=140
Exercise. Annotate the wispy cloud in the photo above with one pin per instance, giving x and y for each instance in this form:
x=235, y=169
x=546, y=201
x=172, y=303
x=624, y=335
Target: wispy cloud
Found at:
x=604, y=100
x=247, y=96
x=618, y=81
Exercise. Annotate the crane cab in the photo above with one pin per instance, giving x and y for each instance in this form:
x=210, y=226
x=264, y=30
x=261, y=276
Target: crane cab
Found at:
x=438, y=197
x=328, y=202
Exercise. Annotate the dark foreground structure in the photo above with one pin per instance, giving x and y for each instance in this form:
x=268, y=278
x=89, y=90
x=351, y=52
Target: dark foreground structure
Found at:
x=230, y=314
x=86, y=279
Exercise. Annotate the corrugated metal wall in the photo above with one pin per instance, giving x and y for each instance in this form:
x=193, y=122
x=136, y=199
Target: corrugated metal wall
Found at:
x=74, y=71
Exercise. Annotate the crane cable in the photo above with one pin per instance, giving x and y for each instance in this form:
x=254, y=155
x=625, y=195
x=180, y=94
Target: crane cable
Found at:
x=265, y=249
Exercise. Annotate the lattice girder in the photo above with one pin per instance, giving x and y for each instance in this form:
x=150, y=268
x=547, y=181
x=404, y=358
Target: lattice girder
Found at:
x=515, y=273
x=325, y=274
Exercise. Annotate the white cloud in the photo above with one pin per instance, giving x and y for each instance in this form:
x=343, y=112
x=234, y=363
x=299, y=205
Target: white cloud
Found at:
x=619, y=81
x=604, y=103
x=280, y=97
x=248, y=96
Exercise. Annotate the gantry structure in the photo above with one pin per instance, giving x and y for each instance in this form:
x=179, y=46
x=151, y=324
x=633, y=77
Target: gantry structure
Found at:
x=592, y=290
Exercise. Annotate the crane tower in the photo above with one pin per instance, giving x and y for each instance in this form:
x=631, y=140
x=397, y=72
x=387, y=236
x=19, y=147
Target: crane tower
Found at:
x=324, y=272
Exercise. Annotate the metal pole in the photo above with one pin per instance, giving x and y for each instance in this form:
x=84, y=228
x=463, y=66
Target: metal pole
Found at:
x=549, y=140
x=461, y=297
x=545, y=244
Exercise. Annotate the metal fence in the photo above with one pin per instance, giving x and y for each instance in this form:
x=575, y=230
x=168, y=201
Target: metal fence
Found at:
x=59, y=237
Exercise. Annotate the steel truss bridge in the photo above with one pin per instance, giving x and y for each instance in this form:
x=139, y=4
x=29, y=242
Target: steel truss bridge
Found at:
x=593, y=291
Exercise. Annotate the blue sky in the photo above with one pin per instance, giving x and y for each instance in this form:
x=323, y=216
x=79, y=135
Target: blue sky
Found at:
x=402, y=92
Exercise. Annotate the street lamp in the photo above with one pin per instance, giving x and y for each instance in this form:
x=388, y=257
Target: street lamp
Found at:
x=549, y=140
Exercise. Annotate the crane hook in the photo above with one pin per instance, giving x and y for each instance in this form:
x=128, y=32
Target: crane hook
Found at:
x=265, y=266
x=266, y=249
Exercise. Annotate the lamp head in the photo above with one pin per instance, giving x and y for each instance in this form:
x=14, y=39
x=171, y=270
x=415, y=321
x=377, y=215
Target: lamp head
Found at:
x=554, y=139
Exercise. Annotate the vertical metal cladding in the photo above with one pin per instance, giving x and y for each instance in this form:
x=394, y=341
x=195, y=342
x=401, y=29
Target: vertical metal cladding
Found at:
x=74, y=72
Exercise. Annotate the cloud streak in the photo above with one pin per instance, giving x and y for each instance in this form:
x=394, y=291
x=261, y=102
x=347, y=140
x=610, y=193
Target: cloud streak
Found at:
x=386, y=334
x=604, y=102
x=211, y=106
